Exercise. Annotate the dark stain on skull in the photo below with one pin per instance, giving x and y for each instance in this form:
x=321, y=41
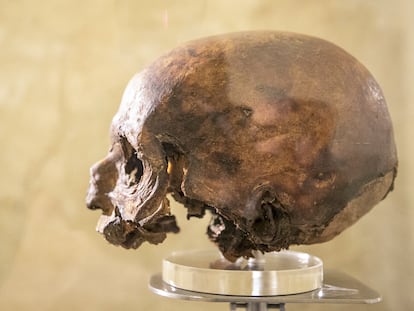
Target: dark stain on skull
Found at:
x=228, y=163
x=191, y=122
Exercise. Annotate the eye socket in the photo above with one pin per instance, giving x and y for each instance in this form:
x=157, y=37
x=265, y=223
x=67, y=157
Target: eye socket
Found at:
x=133, y=166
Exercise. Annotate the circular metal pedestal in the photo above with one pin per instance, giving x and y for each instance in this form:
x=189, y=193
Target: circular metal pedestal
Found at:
x=186, y=276
x=281, y=273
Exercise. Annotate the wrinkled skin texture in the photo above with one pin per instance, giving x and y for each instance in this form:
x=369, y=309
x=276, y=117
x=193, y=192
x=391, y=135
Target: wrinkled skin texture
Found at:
x=285, y=138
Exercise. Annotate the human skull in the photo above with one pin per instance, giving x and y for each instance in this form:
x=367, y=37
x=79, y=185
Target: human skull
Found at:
x=285, y=138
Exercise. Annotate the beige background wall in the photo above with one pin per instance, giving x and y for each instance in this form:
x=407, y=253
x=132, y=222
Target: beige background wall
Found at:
x=63, y=67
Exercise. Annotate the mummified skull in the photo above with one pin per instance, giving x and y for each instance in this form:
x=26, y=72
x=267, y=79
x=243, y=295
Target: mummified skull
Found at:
x=285, y=138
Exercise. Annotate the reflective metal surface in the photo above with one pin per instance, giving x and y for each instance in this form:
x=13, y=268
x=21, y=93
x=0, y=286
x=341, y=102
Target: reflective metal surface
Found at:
x=280, y=273
x=338, y=287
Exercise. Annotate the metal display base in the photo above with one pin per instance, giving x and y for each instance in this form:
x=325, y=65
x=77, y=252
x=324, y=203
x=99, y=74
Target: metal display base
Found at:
x=337, y=287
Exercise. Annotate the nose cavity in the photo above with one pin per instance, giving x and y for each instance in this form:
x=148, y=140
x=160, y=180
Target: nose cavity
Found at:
x=103, y=178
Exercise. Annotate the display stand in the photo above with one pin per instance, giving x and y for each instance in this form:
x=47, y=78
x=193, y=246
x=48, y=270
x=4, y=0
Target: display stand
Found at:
x=268, y=281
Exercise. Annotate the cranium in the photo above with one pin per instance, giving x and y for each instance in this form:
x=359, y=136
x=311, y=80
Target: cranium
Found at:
x=285, y=138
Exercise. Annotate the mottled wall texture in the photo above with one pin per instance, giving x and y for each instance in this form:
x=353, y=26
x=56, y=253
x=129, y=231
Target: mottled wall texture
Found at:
x=63, y=68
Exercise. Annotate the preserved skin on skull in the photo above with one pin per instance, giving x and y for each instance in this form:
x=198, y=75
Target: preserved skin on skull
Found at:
x=284, y=138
